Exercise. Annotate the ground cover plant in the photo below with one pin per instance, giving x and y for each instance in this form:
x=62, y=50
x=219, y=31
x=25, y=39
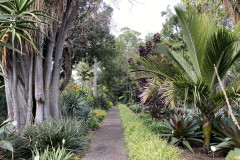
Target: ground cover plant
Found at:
x=136, y=108
x=141, y=142
x=154, y=125
x=67, y=133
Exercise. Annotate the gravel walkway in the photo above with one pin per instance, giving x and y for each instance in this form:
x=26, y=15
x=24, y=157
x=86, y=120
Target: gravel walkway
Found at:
x=108, y=143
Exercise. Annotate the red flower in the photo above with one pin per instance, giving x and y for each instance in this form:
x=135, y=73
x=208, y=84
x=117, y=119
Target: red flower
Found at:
x=82, y=25
x=89, y=33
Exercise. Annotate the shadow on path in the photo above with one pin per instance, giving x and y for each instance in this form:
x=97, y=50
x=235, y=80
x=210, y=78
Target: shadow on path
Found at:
x=108, y=143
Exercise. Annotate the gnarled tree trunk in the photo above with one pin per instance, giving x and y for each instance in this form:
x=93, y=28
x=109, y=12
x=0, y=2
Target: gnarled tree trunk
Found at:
x=32, y=79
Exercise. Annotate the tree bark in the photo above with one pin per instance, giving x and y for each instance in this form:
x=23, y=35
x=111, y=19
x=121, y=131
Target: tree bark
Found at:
x=14, y=92
x=30, y=95
x=68, y=72
x=207, y=131
x=95, y=77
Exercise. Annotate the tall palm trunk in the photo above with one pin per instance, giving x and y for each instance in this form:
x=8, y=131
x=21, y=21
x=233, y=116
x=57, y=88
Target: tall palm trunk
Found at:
x=207, y=131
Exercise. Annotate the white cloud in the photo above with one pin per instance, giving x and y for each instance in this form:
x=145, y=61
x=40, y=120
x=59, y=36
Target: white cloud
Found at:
x=143, y=17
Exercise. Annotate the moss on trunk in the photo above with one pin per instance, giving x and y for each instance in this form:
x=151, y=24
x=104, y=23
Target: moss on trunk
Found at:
x=207, y=131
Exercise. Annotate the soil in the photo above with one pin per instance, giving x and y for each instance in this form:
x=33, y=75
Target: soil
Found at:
x=108, y=143
x=199, y=155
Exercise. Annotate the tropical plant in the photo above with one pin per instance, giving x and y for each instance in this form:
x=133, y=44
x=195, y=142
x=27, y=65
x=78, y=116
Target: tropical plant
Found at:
x=100, y=114
x=231, y=138
x=6, y=130
x=16, y=21
x=195, y=79
x=55, y=154
x=182, y=129
x=75, y=105
x=69, y=133
x=135, y=108
x=93, y=123
x=233, y=154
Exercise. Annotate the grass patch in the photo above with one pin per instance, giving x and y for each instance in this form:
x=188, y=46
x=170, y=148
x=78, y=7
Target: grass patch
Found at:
x=141, y=142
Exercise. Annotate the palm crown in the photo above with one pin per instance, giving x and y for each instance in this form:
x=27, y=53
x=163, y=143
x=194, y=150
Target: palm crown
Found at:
x=208, y=45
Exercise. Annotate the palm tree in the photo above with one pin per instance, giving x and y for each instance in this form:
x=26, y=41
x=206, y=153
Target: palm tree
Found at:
x=208, y=45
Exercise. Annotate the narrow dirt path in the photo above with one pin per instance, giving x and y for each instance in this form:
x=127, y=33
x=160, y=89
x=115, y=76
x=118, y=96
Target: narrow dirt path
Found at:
x=108, y=143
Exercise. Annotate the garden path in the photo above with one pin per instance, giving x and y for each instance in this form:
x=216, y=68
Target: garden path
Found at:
x=108, y=143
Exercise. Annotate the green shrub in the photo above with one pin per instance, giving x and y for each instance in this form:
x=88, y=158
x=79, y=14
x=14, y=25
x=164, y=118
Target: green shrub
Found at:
x=145, y=116
x=110, y=104
x=155, y=126
x=135, y=108
x=232, y=135
x=52, y=133
x=182, y=129
x=233, y=154
x=75, y=105
x=100, y=101
x=54, y=154
x=93, y=123
x=100, y=114
x=142, y=143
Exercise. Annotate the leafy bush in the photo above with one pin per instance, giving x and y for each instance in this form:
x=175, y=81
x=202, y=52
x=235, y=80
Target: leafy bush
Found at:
x=155, y=126
x=110, y=104
x=75, y=105
x=6, y=131
x=142, y=144
x=182, y=129
x=93, y=123
x=145, y=116
x=52, y=133
x=100, y=114
x=54, y=154
x=136, y=108
x=100, y=101
x=233, y=154
x=232, y=133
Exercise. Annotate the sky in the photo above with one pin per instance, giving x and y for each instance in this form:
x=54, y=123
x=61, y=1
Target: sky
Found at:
x=143, y=16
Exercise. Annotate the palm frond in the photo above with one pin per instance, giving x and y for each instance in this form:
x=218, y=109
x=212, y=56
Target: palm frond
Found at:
x=196, y=31
x=178, y=59
x=157, y=67
x=222, y=51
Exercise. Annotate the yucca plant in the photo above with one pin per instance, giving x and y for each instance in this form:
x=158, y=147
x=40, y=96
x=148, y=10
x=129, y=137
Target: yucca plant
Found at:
x=182, y=129
x=194, y=79
x=17, y=22
x=232, y=135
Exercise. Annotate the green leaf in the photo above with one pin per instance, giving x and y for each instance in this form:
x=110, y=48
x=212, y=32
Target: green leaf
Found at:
x=10, y=47
x=173, y=141
x=188, y=146
x=6, y=145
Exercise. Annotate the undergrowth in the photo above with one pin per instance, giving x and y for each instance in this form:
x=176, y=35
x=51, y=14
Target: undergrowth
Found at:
x=141, y=142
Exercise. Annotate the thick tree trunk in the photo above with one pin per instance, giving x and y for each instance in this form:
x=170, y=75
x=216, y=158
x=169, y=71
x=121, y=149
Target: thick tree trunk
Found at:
x=31, y=83
x=207, y=131
x=48, y=72
x=39, y=89
x=30, y=95
x=14, y=92
x=95, y=77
